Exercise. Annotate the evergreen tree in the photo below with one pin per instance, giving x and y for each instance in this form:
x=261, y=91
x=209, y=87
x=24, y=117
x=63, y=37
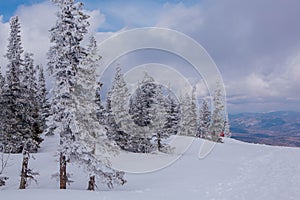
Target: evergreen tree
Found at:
x=147, y=109
x=89, y=129
x=120, y=122
x=217, y=118
x=110, y=121
x=86, y=108
x=31, y=93
x=188, y=123
x=69, y=62
x=159, y=120
x=226, y=130
x=64, y=57
x=15, y=125
x=185, y=105
x=143, y=101
x=100, y=110
x=2, y=80
x=136, y=108
x=204, y=120
x=119, y=97
x=43, y=103
x=173, y=115
x=193, y=123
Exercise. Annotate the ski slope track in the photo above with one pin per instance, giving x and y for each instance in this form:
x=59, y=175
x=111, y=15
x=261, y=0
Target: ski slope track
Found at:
x=233, y=170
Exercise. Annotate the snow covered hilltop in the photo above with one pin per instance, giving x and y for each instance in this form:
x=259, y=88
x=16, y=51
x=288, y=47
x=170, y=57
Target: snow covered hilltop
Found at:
x=233, y=170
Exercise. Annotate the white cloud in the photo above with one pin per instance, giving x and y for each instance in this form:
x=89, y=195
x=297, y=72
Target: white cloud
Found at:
x=289, y=80
x=97, y=19
x=36, y=21
x=180, y=17
x=201, y=89
x=256, y=85
x=277, y=90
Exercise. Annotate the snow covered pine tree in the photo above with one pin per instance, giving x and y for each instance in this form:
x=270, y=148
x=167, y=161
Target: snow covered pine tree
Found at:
x=146, y=100
x=226, y=130
x=43, y=103
x=16, y=127
x=11, y=140
x=89, y=128
x=159, y=119
x=204, y=120
x=143, y=100
x=188, y=122
x=65, y=57
x=173, y=114
x=217, y=118
x=119, y=118
x=31, y=91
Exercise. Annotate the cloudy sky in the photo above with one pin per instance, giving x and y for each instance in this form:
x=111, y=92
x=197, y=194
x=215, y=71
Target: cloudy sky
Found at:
x=255, y=44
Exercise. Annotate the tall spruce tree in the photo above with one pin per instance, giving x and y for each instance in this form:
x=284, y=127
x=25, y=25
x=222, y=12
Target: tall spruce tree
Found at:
x=43, y=103
x=143, y=100
x=145, y=105
x=185, y=105
x=31, y=92
x=111, y=125
x=15, y=126
x=188, y=122
x=204, y=120
x=159, y=119
x=173, y=114
x=217, y=118
x=119, y=98
x=226, y=131
x=92, y=137
x=65, y=57
x=136, y=109
x=120, y=123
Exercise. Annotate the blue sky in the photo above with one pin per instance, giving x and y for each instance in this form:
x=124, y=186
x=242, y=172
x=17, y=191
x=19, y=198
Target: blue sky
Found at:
x=255, y=44
x=8, y=8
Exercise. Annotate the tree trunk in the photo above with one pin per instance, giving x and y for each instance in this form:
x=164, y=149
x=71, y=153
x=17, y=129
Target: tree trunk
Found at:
x=159, y=145
x=62, y=171
x=92, y=183
x=24, y=170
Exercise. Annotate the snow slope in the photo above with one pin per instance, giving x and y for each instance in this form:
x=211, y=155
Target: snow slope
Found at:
x=233, y=170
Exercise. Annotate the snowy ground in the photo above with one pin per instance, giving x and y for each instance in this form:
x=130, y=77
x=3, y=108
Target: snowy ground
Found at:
x=233, y=170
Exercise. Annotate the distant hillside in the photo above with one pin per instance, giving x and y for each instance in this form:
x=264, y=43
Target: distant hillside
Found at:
x=274, y=128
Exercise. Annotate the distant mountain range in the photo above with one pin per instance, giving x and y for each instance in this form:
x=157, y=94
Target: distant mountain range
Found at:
x=274, y=128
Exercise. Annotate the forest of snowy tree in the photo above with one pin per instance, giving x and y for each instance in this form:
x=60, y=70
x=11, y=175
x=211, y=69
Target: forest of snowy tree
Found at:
x=140, y=122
